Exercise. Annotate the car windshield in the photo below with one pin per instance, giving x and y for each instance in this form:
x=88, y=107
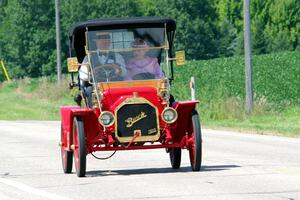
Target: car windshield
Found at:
x=127, y=54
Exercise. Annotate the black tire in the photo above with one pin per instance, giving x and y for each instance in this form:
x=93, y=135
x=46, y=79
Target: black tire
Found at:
x=79, y=147
x=66, y=156
x=175, y=157
x=171, y=100
x=195, y=149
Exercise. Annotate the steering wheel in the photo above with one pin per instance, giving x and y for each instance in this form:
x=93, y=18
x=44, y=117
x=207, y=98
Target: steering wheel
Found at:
x=143, y=76
x=106, y=72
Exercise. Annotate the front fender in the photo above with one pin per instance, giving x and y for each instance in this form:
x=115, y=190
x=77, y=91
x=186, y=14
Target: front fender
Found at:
x=66, y=125
x=182, y=124
x=184, y=106
x=91, y=125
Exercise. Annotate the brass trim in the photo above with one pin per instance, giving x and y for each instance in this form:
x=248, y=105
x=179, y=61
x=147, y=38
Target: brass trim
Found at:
x=111, y=123
x=169, y=108
x=155, y=83
x=68, y=139
x=126, y=50
x=132, y=120
x=137, y=100
x=92, y=72
x=72, y=64
x=135, y=94
x=164, y=90
x=180, y=57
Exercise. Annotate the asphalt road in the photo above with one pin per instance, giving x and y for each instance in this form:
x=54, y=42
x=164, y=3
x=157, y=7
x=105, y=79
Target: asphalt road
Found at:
x=235, y=166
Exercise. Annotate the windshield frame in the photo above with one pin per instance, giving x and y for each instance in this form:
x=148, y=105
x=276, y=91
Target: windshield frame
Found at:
x=164, y=46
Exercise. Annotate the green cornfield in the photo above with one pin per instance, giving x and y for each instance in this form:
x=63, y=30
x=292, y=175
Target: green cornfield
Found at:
x=220, y=84
x=276, y=78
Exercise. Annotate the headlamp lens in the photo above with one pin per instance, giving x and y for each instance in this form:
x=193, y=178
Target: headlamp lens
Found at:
x=169, y=115
x=106, y=118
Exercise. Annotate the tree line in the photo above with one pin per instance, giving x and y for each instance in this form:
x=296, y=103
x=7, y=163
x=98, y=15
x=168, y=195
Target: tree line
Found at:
x=205, y=28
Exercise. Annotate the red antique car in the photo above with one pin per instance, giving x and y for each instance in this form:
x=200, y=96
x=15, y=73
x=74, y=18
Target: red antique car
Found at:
x=125, y=74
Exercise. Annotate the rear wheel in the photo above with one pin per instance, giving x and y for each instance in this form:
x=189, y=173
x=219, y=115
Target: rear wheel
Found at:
x=66, y=156
x=79, y=147
x=195, y=148
x=175, y=157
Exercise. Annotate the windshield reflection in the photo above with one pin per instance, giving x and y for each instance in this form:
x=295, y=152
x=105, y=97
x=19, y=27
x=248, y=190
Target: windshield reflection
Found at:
x=126, y=54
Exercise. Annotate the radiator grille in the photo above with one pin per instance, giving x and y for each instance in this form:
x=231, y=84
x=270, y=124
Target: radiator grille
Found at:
x=140, y=117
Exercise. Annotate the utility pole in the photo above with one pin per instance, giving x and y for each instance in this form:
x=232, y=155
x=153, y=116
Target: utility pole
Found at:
x=58, y=44
x=248, y=57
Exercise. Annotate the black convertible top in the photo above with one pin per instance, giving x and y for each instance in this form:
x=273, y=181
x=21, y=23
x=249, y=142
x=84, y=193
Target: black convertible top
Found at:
x=122, y=22
x=77, y=31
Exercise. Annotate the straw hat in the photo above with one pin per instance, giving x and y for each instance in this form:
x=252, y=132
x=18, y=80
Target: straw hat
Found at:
x=102, y=35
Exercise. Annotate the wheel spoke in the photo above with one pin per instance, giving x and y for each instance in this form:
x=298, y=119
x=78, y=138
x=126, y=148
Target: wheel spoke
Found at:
x=66, y=156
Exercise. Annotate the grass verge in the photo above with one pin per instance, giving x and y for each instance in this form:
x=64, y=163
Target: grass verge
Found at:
x=33, y=99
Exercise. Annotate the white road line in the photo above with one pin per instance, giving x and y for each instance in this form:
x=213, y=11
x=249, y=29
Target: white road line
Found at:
x=32, y=190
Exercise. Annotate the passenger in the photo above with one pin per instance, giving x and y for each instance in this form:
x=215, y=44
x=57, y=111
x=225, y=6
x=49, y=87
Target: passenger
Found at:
x=142, y=66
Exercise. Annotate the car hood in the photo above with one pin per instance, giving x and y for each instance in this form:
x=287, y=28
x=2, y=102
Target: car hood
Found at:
x=112, y=98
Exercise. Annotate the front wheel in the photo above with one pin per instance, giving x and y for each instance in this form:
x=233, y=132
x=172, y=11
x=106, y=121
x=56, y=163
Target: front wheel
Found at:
x=195, y=148
x=79, y=147
x=66, y=156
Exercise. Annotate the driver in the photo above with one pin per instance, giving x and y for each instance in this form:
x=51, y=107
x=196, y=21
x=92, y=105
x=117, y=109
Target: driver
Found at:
x=103, y=42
